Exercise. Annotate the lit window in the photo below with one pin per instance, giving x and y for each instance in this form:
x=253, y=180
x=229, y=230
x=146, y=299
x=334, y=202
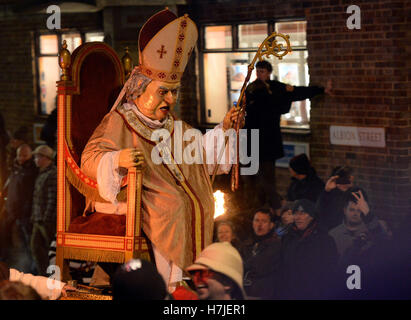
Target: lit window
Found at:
x=218, y=37
x=225, y=61
x=251, y=35
x=95, y=36
x=48, y=69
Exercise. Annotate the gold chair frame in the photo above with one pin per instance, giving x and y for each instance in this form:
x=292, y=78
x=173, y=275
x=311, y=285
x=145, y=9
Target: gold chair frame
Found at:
x=90, y=247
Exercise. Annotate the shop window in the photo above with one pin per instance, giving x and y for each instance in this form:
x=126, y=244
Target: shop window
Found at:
x=47, y=67
x=226, y=54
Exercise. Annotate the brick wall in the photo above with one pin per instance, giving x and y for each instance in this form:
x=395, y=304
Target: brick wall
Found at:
x=370, y=69
x=18, y=97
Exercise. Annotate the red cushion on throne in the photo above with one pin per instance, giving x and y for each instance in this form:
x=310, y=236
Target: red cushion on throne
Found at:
x=99, y=223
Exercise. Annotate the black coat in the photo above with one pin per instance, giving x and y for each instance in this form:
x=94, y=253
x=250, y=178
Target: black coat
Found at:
x=261, y=260
x=308, y=264
x=266, y=102
x=20, y=190
x=308, y=188
x=330, y=208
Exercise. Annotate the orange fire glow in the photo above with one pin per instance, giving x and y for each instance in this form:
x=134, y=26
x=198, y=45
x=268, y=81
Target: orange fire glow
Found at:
x=218, y=203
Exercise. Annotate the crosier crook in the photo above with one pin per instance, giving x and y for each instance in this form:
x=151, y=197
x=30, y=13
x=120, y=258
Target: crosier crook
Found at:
x=268, y=47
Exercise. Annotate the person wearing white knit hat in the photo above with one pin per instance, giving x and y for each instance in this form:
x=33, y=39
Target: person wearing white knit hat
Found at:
x=178, y=203
x=218, y=273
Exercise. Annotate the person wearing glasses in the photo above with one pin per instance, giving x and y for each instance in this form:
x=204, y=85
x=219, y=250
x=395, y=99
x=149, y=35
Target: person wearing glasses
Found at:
x=218, y=273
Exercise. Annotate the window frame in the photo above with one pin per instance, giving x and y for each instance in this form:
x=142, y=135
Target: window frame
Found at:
x=235, y=48
x=36, y=54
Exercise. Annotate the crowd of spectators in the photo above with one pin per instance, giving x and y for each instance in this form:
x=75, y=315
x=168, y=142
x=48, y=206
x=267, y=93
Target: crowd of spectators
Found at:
x=300, y=251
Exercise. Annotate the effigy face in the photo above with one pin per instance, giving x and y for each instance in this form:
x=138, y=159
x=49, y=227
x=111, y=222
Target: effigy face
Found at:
x=158, y=99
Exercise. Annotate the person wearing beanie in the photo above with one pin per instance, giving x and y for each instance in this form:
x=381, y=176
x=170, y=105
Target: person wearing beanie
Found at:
x=47, y=288
x=305, y=183
x=218, y=273
x=178, y=202
x=261, y=256
x=138, y=279
x=44, y=210
x=309, y=256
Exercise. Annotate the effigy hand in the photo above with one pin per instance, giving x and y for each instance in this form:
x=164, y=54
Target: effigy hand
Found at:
x=130, y=157
x=231, y=117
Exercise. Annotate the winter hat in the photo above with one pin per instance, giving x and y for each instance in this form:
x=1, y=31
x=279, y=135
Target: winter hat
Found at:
x=300, y=164
x=44, y=150
x=306, y=206
x=138, y=280
x=221, y=257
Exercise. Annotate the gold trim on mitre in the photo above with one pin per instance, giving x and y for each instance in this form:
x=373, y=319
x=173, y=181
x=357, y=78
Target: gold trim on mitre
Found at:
x=166, y=54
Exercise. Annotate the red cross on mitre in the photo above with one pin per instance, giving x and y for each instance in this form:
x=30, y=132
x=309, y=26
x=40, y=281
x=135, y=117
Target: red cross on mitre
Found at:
x=183, y=24
x=161, y=51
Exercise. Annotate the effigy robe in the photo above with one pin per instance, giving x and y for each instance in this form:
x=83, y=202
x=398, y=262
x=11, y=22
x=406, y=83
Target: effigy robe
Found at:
x=177, y=199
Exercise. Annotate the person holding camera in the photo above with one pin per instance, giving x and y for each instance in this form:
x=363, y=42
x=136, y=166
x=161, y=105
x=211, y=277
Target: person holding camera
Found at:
x=330, y=204
x=360, y=229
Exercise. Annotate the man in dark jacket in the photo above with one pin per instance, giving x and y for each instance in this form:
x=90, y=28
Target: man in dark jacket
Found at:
x=261, y=257
x=44, y=211
x=309, y=257
x=20, y=188
x=266, y=101
x=305, y=184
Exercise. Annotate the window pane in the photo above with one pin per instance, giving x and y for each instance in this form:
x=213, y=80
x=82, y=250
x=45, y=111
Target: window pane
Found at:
x=49, y=72
x=218, y=37
x=73, y=40
x=252, y=35
x=94, y=36
x=296, y=31
x=48, y=44
x=224, y=75
x=215, y=84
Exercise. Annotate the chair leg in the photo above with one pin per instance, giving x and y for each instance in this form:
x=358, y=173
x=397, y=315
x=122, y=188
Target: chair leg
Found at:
x=63, y=265
x=128, y=255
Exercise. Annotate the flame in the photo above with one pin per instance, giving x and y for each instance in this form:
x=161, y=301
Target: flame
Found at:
x=218, y=203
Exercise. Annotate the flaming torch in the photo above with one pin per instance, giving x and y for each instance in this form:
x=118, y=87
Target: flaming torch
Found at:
x=218, y=203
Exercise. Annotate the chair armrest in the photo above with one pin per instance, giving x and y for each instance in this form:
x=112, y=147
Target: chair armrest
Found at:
x=134, y=190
